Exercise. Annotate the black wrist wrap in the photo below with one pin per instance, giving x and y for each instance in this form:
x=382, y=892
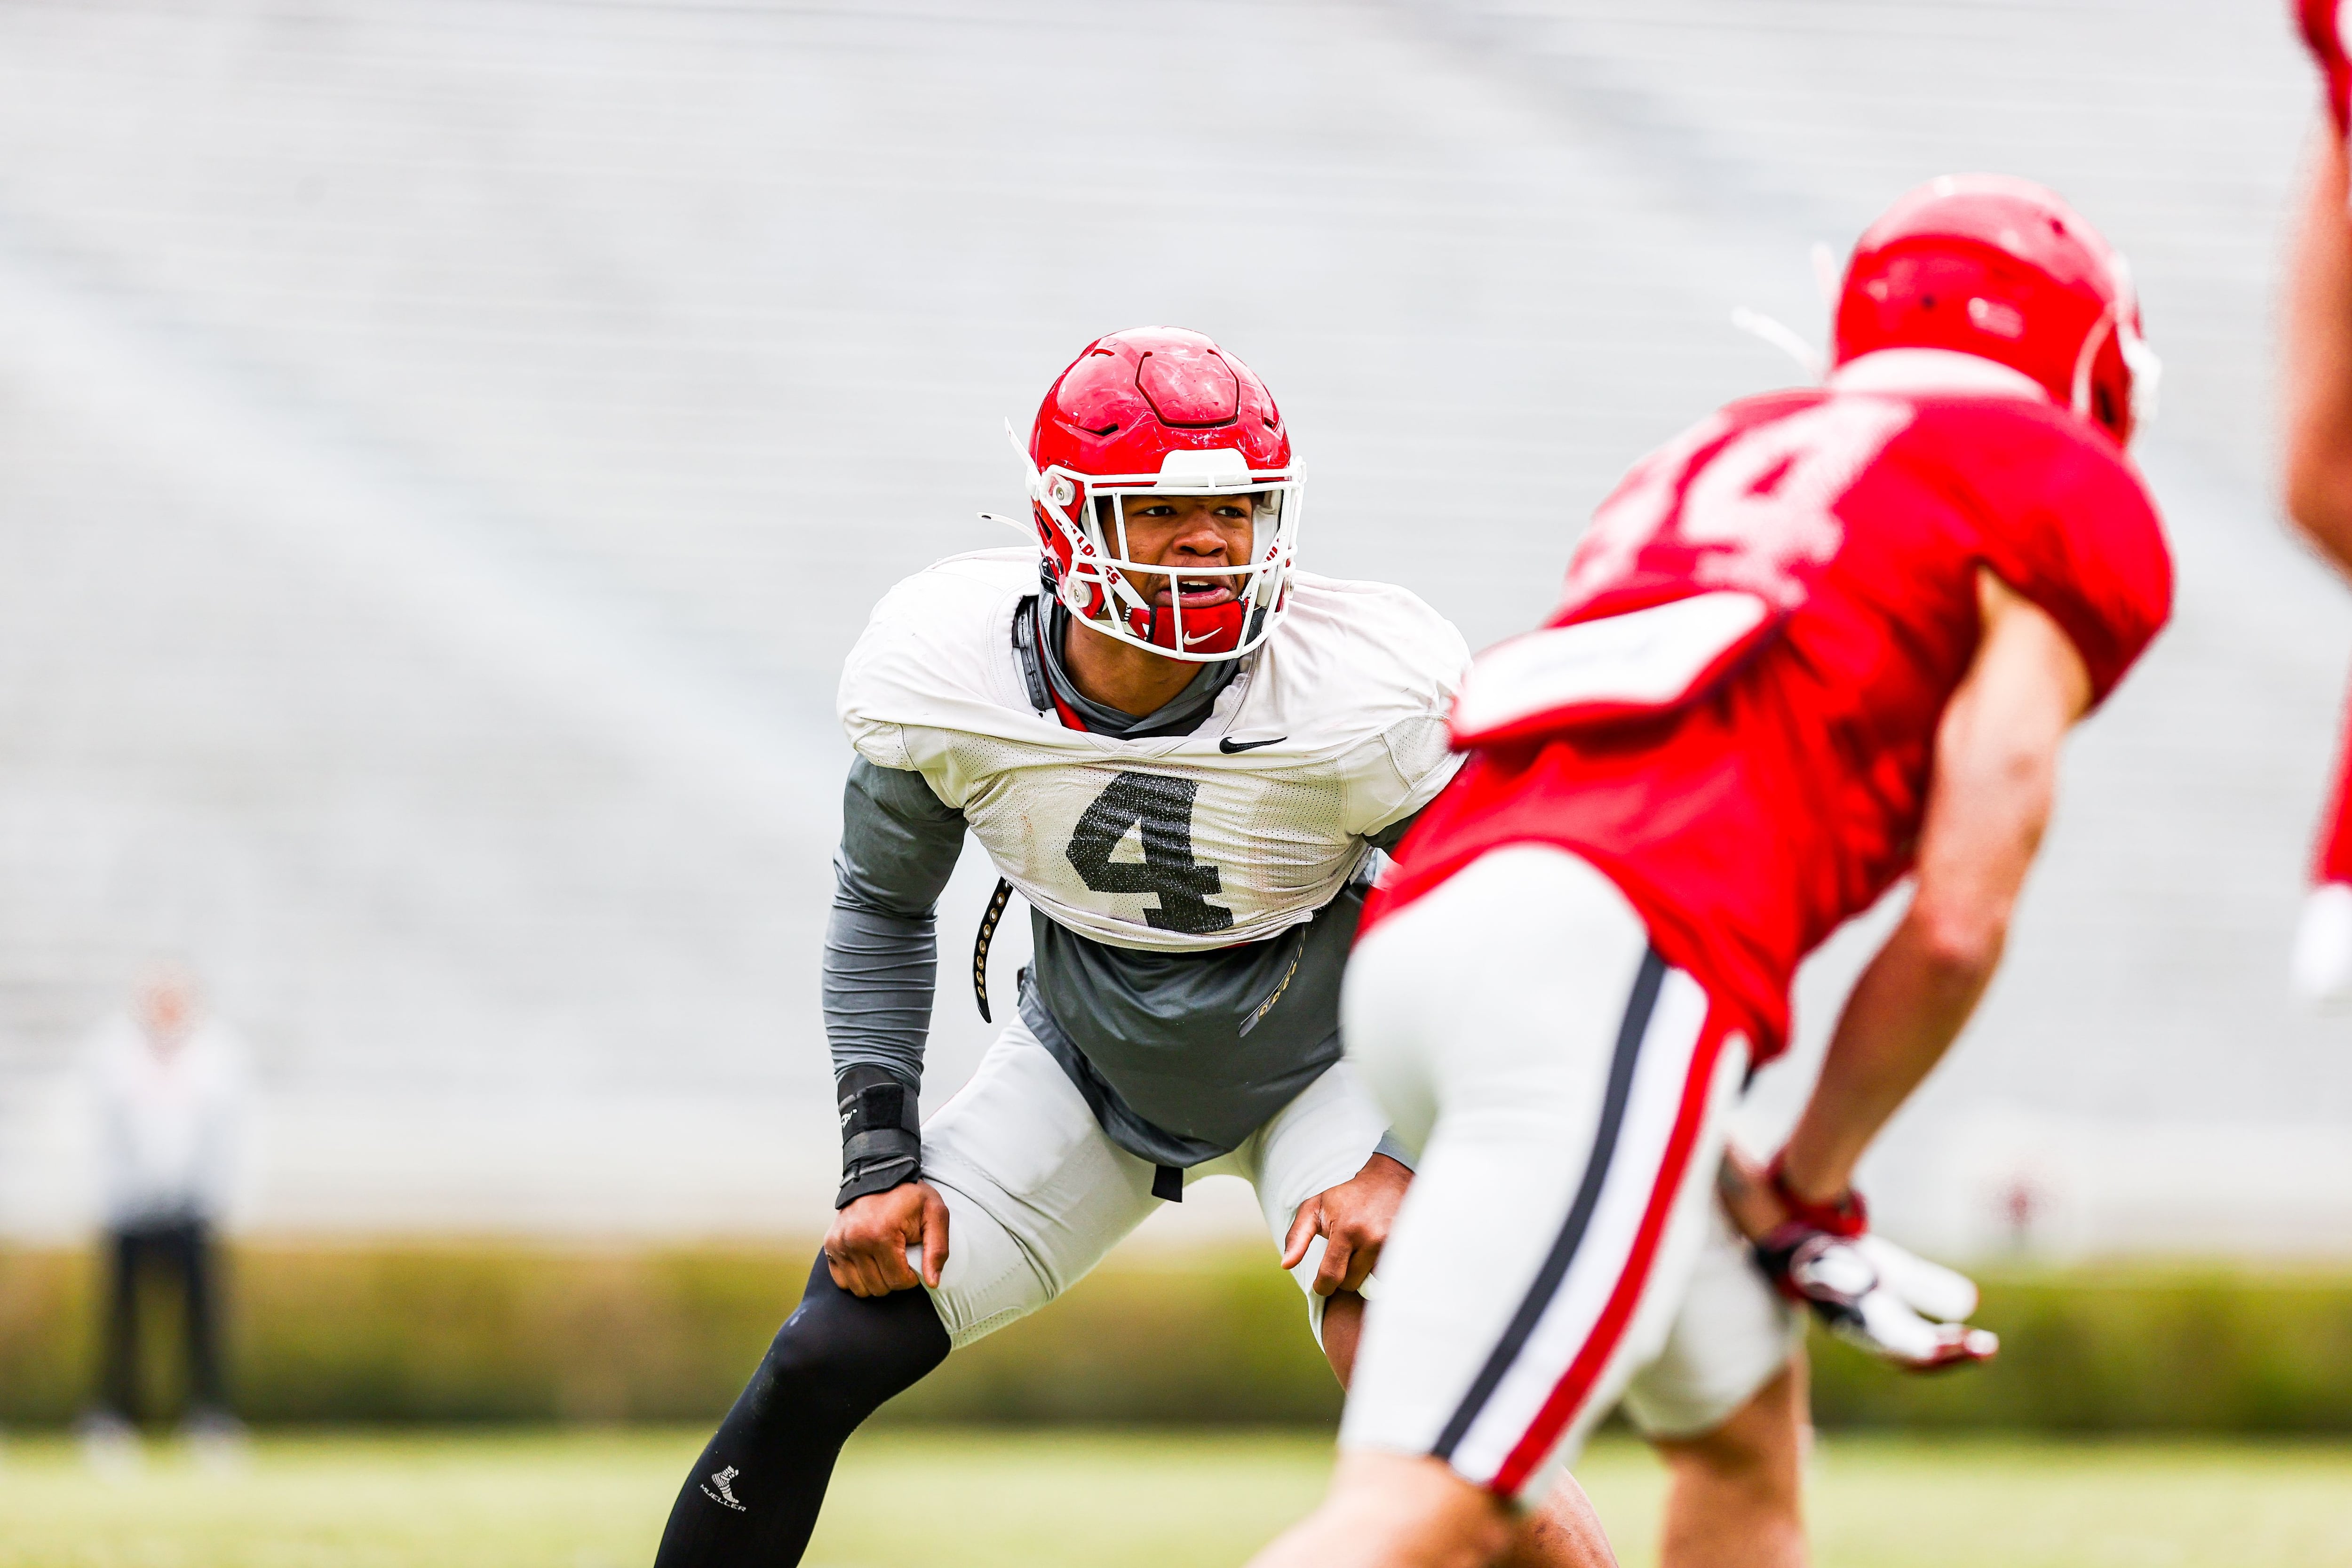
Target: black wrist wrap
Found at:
x=881, y=1140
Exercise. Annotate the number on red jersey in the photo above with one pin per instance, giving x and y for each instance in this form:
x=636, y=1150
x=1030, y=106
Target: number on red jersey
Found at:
x=1745, y=512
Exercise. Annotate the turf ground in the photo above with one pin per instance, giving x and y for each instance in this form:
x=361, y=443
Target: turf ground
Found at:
x=993, y=1499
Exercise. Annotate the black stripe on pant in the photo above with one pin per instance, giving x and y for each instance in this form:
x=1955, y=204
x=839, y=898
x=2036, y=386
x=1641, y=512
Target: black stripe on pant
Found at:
x=1631, y=1031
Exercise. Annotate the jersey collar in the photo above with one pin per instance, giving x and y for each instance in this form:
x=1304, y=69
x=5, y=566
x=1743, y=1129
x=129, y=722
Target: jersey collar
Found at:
x=1039, y=624
x=1933, y=370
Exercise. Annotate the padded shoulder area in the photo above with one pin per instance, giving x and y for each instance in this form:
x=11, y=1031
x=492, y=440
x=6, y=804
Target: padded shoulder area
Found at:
x=1385, y=636
x=2064, y=519
x=936, y=644
x=957, y=588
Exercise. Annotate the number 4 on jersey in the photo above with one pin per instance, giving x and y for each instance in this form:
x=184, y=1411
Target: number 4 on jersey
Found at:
x=1159, y=808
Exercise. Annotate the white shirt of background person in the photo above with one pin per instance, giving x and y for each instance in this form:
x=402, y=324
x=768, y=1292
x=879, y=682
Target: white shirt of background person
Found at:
x=169, y=1088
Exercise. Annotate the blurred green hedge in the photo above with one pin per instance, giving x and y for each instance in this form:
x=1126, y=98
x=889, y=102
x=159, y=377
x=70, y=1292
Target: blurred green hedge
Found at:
x=457, y=1331
x=2126, y=1348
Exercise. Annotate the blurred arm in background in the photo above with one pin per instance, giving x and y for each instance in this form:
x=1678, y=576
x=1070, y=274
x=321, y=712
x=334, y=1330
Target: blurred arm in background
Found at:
x=2317, y=356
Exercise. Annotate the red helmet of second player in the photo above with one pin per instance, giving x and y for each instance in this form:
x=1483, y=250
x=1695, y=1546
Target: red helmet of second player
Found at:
x=2004, y=269
x=1158, y=410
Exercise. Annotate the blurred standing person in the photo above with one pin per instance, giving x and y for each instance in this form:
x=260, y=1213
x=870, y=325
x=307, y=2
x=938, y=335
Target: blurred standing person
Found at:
x=169, y=1085
x=2316, y=360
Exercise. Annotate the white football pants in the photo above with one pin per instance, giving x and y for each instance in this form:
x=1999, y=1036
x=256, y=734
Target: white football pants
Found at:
x=1037, y=1193
x=1561, y=1246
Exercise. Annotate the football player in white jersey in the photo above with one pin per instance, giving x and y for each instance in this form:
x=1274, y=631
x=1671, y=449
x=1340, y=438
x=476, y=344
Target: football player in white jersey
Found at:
x=1183, y=753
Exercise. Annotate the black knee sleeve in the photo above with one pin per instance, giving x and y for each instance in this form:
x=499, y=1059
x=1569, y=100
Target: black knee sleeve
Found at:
x=753, y=1496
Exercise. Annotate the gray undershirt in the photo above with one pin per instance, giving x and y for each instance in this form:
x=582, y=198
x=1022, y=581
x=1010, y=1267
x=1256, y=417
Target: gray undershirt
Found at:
x=1179, y=715
x=1182, y=1056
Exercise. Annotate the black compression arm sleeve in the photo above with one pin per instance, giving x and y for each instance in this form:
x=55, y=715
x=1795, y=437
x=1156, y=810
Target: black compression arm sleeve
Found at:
x=898, y=847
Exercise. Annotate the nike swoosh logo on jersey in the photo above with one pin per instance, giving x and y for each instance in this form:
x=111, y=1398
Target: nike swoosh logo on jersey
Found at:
x=1230, y=746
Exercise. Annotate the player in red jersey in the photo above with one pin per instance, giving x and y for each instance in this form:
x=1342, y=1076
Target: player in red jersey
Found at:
x=2318, y=382
x=1826, y=640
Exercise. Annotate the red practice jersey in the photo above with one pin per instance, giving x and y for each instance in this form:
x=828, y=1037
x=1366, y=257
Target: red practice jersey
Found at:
x=1755, y=811
x=2323, y=29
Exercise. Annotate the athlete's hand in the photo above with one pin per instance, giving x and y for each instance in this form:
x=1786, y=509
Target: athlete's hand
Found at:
x=1353, y=1219
x=866, y=1249
x=1865, y=1289
x=1875, y=1296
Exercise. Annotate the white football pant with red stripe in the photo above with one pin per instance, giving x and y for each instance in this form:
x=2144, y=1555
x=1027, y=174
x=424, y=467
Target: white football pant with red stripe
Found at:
x=1560, y=1247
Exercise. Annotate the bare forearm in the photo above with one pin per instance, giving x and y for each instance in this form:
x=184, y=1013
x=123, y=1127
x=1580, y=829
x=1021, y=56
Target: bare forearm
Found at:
x=1908, y=1007
x=1996, y=765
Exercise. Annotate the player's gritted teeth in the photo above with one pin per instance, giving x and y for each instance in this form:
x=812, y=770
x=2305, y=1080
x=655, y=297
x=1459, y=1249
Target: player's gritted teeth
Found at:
x=1199, y=592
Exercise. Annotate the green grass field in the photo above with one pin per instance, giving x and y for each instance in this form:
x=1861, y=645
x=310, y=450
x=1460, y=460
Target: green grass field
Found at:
x=998, y=1500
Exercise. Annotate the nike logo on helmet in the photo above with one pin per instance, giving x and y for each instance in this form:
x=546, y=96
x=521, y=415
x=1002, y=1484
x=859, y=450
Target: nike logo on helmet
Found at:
x=1230, y=746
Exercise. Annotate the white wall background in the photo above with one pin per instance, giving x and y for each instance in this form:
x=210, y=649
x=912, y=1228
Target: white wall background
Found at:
x=446, y=447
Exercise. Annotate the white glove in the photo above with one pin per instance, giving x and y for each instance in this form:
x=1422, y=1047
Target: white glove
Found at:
x=1874, y=1295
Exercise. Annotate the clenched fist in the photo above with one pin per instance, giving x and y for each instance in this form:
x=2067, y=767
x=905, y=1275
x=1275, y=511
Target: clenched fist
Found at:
x=878, y=1241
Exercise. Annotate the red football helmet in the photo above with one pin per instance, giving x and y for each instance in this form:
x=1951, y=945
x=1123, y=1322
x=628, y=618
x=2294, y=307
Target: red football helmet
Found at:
x=2004, y=269
x=1162, y=409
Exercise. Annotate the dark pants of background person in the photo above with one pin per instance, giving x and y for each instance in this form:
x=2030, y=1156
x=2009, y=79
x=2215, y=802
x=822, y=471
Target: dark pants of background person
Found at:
x=180, y=1252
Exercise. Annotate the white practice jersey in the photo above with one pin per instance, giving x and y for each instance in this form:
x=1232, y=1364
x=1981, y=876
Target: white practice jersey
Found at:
x=1232, y=833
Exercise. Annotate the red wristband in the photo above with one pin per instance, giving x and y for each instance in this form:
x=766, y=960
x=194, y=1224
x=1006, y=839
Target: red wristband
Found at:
x=1846, y=1215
